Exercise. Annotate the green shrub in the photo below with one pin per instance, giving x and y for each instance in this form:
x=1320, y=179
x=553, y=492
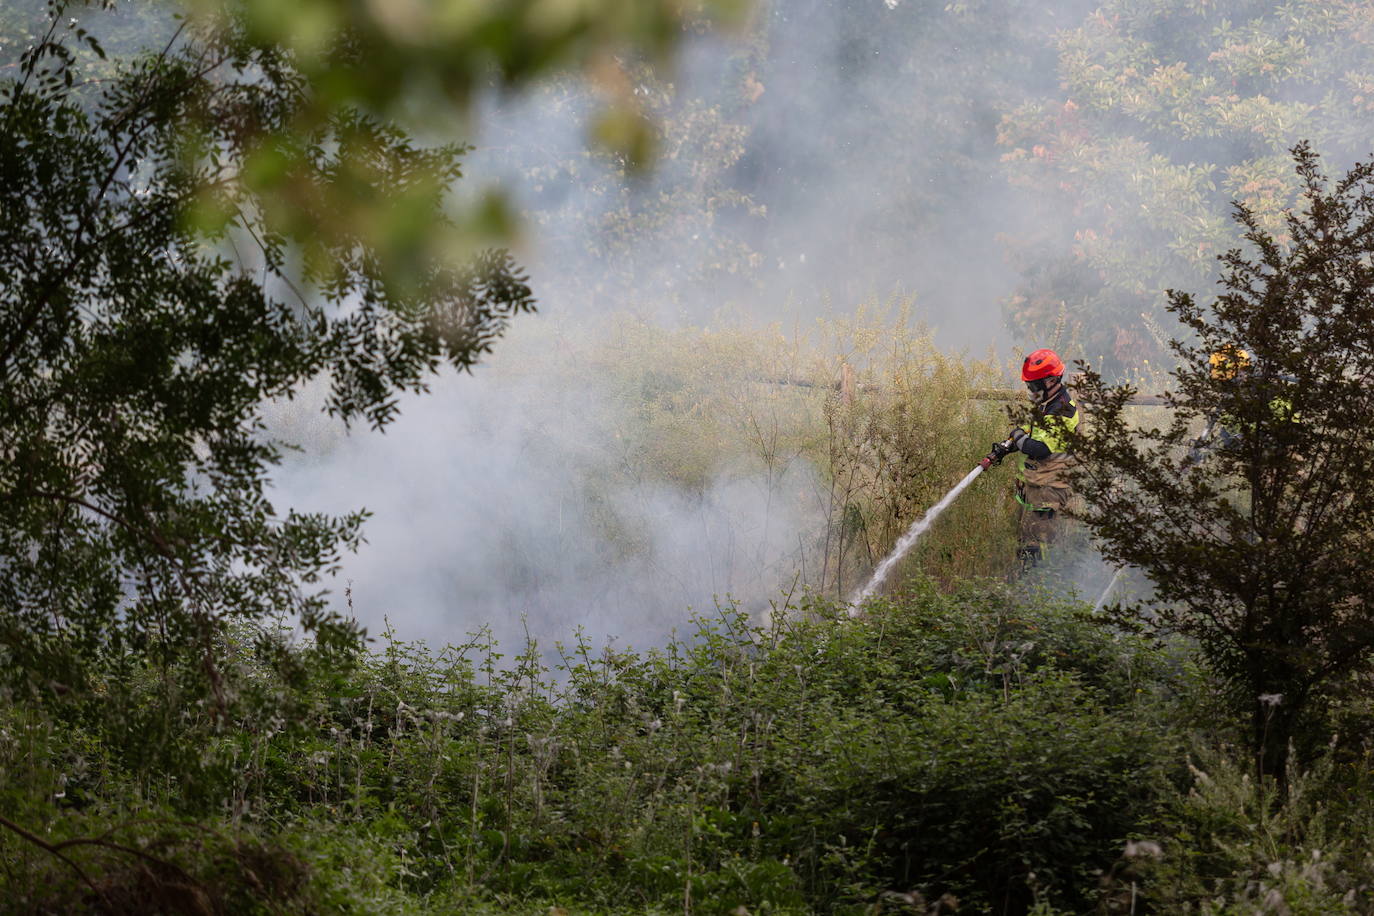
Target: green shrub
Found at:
x=972, y=743
x=1230, y=847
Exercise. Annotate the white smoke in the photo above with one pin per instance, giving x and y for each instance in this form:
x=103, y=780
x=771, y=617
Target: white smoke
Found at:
x=498, y=502
x=868, y=164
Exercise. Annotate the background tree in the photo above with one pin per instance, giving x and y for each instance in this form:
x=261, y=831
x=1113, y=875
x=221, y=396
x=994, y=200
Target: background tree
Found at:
x=153, y=301
x=1261, y=552
x=1167, y=112
x=743, y=206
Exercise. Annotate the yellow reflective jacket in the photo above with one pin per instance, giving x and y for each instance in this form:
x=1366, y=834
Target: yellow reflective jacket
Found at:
x=1046, y=449
x=1229, y=431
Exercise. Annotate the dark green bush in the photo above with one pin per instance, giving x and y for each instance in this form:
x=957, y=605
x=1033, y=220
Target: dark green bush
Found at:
x=993, y=747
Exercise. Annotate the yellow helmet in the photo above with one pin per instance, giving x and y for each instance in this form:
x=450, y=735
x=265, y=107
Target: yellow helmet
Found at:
x=1228, y=361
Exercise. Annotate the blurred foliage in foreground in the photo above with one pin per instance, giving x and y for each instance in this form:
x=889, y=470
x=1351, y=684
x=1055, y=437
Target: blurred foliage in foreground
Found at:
x=154, y=298
x=402, y=58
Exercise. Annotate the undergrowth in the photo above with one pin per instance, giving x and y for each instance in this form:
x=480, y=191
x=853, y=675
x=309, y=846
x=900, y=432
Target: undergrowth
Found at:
x=958, y=746
x=979, y=750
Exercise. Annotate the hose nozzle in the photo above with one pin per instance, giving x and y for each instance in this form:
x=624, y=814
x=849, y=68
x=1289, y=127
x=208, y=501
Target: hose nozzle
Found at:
x=999, y=451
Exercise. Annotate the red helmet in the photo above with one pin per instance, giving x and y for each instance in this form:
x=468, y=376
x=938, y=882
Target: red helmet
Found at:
x=1041, y=364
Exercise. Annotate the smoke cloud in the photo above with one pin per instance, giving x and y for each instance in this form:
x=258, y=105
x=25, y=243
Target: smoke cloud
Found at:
x=837, y=152
x=840, y=151
x=498, y=502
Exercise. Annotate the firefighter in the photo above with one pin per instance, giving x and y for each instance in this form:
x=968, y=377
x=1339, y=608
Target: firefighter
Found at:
x=1229, y=362
x=1226, y=432
x=1224, y=364
x=1043, y=487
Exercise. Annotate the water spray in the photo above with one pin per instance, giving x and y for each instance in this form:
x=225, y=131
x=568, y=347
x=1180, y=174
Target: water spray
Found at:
x=1110, y=590
x=908, y=540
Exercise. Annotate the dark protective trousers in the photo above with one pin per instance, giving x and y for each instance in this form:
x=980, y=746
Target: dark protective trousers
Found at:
x=1047, y=507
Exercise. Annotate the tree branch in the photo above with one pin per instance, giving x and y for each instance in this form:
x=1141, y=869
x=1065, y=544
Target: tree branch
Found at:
x=55, y=850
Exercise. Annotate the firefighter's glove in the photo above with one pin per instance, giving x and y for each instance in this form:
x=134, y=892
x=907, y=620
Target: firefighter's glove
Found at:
x=1018, y=436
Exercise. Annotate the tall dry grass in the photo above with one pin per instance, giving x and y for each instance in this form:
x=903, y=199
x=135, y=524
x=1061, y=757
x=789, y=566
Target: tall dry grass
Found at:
x=850, y=466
